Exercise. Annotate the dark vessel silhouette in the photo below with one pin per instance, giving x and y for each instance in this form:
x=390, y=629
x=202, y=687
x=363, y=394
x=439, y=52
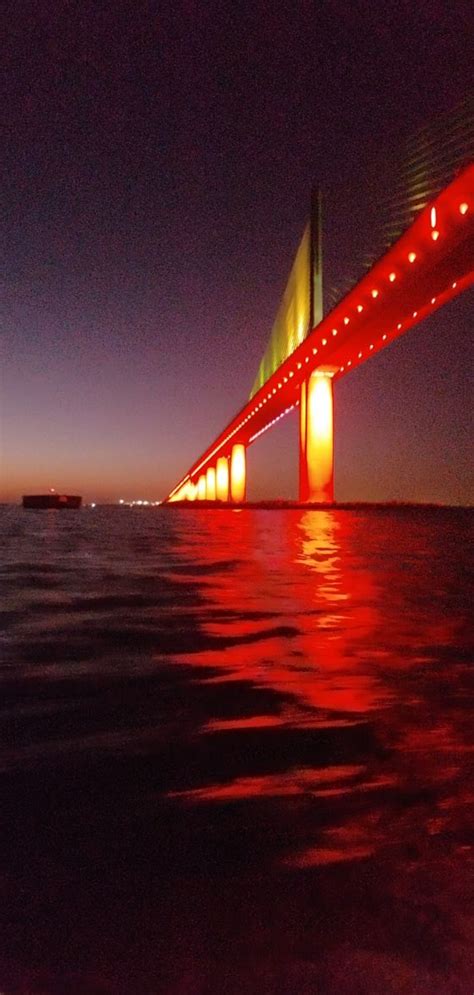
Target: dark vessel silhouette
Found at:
x=52, y=500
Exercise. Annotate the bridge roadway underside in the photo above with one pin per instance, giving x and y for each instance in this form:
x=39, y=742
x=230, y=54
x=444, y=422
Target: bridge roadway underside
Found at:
x=431, y=263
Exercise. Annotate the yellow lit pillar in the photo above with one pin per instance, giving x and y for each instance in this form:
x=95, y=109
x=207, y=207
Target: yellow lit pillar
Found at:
x=201, y=488
x=238, y=473
x=211, y=483
x=317, y=438
x=303, y=489
x=222, y=479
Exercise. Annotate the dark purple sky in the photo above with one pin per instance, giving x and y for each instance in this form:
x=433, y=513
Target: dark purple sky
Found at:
x=159, y=158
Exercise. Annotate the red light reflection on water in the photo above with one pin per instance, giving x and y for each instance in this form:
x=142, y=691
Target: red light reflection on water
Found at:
x=295, y=578
x=336, y=617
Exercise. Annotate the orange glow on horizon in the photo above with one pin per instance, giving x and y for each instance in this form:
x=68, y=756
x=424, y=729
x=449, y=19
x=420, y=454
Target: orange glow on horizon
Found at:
x=238, y=472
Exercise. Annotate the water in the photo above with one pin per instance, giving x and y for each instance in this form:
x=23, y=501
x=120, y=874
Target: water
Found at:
x=237, y=752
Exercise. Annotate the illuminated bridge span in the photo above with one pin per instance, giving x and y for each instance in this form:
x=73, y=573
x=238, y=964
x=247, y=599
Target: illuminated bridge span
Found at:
x=432, y=262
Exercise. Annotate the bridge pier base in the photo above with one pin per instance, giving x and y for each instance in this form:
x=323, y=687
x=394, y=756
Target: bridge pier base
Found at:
x=222, y=479
x=210, y=484
x=317, y=438
x=238, y=473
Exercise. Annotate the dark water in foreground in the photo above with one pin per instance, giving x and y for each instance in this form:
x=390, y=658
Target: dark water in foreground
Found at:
x=237, y=753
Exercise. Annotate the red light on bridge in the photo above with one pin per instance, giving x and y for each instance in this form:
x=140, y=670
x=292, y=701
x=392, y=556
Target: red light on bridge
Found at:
x=371, y=347
x=435, y=235
x=433, y=217
x=415, y=314
x=299, y=366
x=360, y=308
x=291, y=374
x=334, y=331
x=346, y=321
x=463, y=208
x=411, y=257
x=433, y=300
x=454, y=285
x=315, y=352
x=375, y=293
x=383, y=338
x=360, y=356
x=392, y=277
x=324, y=341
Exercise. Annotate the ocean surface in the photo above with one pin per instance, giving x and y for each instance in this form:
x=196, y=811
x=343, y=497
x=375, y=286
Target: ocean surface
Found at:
x=237, y=752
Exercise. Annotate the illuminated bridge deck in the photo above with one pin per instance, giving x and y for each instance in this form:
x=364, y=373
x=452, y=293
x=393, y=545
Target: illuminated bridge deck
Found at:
x=432, y=262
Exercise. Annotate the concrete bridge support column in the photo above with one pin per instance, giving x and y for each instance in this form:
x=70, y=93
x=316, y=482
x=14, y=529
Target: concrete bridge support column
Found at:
x=222, y=479
x=317, y=438
x=210, y=484
x=238, y=473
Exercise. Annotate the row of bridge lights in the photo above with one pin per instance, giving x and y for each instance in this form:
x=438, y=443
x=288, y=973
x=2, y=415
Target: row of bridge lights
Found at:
x=374, y=293
x=463, y=209
x=384, y=336
x=273, y=421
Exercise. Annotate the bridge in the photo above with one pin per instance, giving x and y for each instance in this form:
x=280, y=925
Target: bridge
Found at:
x=430, y=263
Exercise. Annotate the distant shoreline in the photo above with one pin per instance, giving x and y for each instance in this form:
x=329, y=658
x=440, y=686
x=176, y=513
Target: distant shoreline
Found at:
x=312, y=506
x=270, y=506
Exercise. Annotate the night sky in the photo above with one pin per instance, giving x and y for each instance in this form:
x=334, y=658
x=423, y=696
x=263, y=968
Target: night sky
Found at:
x=159, y=161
